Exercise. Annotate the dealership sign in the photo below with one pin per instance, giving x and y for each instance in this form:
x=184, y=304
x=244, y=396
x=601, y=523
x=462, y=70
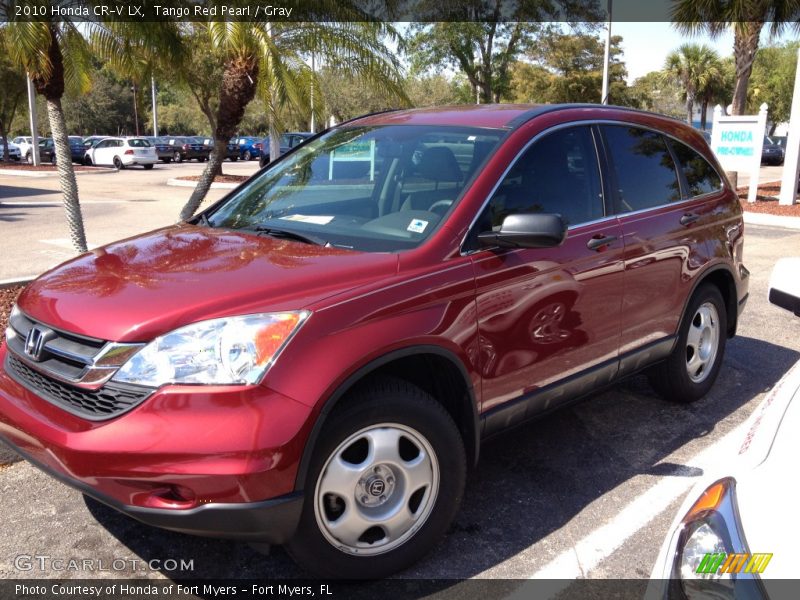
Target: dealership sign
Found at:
x=737, y=141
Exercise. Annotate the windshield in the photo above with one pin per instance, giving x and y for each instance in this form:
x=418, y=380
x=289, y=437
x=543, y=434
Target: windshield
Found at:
x=380, y=189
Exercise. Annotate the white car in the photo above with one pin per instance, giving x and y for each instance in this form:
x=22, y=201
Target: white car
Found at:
x=734, y=535
x=13, y=151
x=122, y=152
x=23, y=142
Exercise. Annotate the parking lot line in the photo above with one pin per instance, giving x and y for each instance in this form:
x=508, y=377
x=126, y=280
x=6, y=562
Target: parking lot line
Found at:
x=590, y=551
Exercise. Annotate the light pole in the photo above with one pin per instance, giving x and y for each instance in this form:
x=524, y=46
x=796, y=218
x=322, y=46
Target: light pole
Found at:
x=32, y=115
x=135, y=110
x=155, y=107
x=606, y=58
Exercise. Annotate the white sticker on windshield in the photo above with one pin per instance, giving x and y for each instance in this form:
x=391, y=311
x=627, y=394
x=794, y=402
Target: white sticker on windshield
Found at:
x=417, y=225
x=315, y=220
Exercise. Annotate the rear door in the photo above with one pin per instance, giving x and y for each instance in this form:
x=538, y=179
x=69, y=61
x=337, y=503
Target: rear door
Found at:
x=549, y=318
x=665, y=223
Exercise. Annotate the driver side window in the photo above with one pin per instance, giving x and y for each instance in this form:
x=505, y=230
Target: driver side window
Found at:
x=557, y=174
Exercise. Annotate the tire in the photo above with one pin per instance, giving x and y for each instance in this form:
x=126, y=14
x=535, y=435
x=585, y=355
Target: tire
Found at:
x=690, y=371
x=247, y=155
x=29, y=158
x=419, y=440
x=87, y=161
x=118, y=163
x=234, y=158
x=53, y=159
x=147, y=167
x=178, y=157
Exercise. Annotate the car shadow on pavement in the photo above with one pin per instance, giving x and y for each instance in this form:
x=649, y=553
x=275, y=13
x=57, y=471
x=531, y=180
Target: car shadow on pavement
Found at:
x=14, y=191
x=530, y=482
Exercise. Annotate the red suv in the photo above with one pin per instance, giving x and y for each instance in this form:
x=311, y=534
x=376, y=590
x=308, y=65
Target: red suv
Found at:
x=315, y=359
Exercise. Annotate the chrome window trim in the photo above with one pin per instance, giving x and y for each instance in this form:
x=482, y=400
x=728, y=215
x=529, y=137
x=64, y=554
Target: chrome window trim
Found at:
x=608, y=217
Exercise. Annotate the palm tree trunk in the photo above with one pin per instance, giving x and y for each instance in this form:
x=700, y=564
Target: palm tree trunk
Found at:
x=213, y=167
x=745, y=46
x=66, y=174
x=689, y=110
x=237, y=89
x=703, y=111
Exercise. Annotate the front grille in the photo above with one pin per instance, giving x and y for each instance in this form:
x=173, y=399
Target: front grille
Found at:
x=66, y=357
x=112, y=400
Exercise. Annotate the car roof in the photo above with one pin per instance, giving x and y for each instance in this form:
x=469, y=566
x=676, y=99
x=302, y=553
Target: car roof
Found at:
x=498, y=116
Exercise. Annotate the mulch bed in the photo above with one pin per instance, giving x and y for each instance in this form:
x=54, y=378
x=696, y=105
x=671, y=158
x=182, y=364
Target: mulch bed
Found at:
x=767, y=201
x=218, y=178
x=7, y=298
x=52, y=168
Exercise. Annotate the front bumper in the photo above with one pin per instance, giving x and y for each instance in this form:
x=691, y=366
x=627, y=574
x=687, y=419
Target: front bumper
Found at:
x=209, y=460
x=271, y=521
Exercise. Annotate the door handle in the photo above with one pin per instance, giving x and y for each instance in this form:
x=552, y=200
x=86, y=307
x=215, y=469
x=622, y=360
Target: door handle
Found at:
x=689, y=218
x=598, y=243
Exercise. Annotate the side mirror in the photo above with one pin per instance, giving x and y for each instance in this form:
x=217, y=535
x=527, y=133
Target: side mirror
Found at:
x=784, y=285
x=527, y=231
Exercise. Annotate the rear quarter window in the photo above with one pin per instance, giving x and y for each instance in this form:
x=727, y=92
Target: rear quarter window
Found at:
x=701, y=177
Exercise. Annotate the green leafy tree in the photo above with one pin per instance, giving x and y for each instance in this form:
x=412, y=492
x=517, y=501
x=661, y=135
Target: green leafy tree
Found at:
x=773, y=81
x=695, y=67
x=748, y=18
x=12, y=84
x=656, y=93
x=569, y=68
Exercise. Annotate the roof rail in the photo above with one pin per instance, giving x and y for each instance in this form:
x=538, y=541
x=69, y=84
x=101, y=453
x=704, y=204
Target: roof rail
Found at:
x=549, y=108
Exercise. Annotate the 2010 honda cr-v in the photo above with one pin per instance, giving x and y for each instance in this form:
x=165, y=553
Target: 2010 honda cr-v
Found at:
x=315, y=359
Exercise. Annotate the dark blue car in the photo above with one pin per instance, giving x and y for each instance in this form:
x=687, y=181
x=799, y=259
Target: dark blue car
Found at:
x=76, y=148
x=249, y=147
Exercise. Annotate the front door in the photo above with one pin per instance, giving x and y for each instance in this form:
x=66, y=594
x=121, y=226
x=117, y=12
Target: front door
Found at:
x=549, y=315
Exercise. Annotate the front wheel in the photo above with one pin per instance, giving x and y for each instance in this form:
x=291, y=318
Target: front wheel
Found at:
x=178, y=157
x=247, y=155
x=690, y=371
x=384, y=484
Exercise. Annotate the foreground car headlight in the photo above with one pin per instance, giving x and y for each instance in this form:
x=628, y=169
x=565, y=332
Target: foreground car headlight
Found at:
x=711, y=555
x=231, y=350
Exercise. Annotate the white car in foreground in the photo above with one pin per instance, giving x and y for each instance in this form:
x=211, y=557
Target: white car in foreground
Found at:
x=122, y=152
x=735, y=535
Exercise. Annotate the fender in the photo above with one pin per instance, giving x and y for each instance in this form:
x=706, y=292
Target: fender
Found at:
x=733, y=315
x=363, y=371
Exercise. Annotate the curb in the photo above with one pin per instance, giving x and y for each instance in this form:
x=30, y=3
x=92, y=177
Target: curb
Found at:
x=754, y=218
x=7, y=283
x=42, y=174
x=217, y=185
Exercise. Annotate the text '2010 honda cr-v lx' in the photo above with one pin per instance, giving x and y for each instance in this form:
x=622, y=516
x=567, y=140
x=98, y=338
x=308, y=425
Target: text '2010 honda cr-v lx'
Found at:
x=314, y=360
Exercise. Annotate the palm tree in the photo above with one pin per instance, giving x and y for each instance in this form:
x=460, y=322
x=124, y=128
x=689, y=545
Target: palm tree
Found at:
x=747, y=17
x=695, y=67
x=267, y=58
x=55, y=54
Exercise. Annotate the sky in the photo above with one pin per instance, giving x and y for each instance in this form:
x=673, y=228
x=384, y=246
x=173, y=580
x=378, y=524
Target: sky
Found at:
x=646, y=45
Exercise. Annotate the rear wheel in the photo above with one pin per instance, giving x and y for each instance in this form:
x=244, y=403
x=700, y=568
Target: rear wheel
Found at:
x=118, y=163
x=384, y=484
x=29, y=158
x=178, y=158
x=53, y=158
x=690, y=371
x=148, y=167
x=247, y=155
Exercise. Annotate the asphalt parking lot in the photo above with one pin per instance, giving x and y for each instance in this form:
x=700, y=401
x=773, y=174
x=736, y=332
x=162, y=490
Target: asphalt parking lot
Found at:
x=587, y=492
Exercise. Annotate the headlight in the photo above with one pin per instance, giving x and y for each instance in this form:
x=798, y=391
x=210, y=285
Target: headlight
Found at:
x=232, y=350
x=710, y=558
x=10, y=333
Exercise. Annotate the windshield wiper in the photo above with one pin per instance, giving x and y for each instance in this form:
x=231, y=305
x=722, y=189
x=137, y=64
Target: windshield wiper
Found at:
x=288, y=234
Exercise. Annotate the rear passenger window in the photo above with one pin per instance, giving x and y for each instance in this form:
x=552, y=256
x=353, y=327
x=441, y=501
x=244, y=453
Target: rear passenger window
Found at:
x=700, y=176
x=645, y=172
x=558, y=174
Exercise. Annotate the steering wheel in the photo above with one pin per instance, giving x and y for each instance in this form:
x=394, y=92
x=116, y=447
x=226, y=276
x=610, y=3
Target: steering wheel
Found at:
x=440, y=206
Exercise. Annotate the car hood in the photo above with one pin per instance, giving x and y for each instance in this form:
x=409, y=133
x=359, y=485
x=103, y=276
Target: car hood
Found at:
x=137, y=289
